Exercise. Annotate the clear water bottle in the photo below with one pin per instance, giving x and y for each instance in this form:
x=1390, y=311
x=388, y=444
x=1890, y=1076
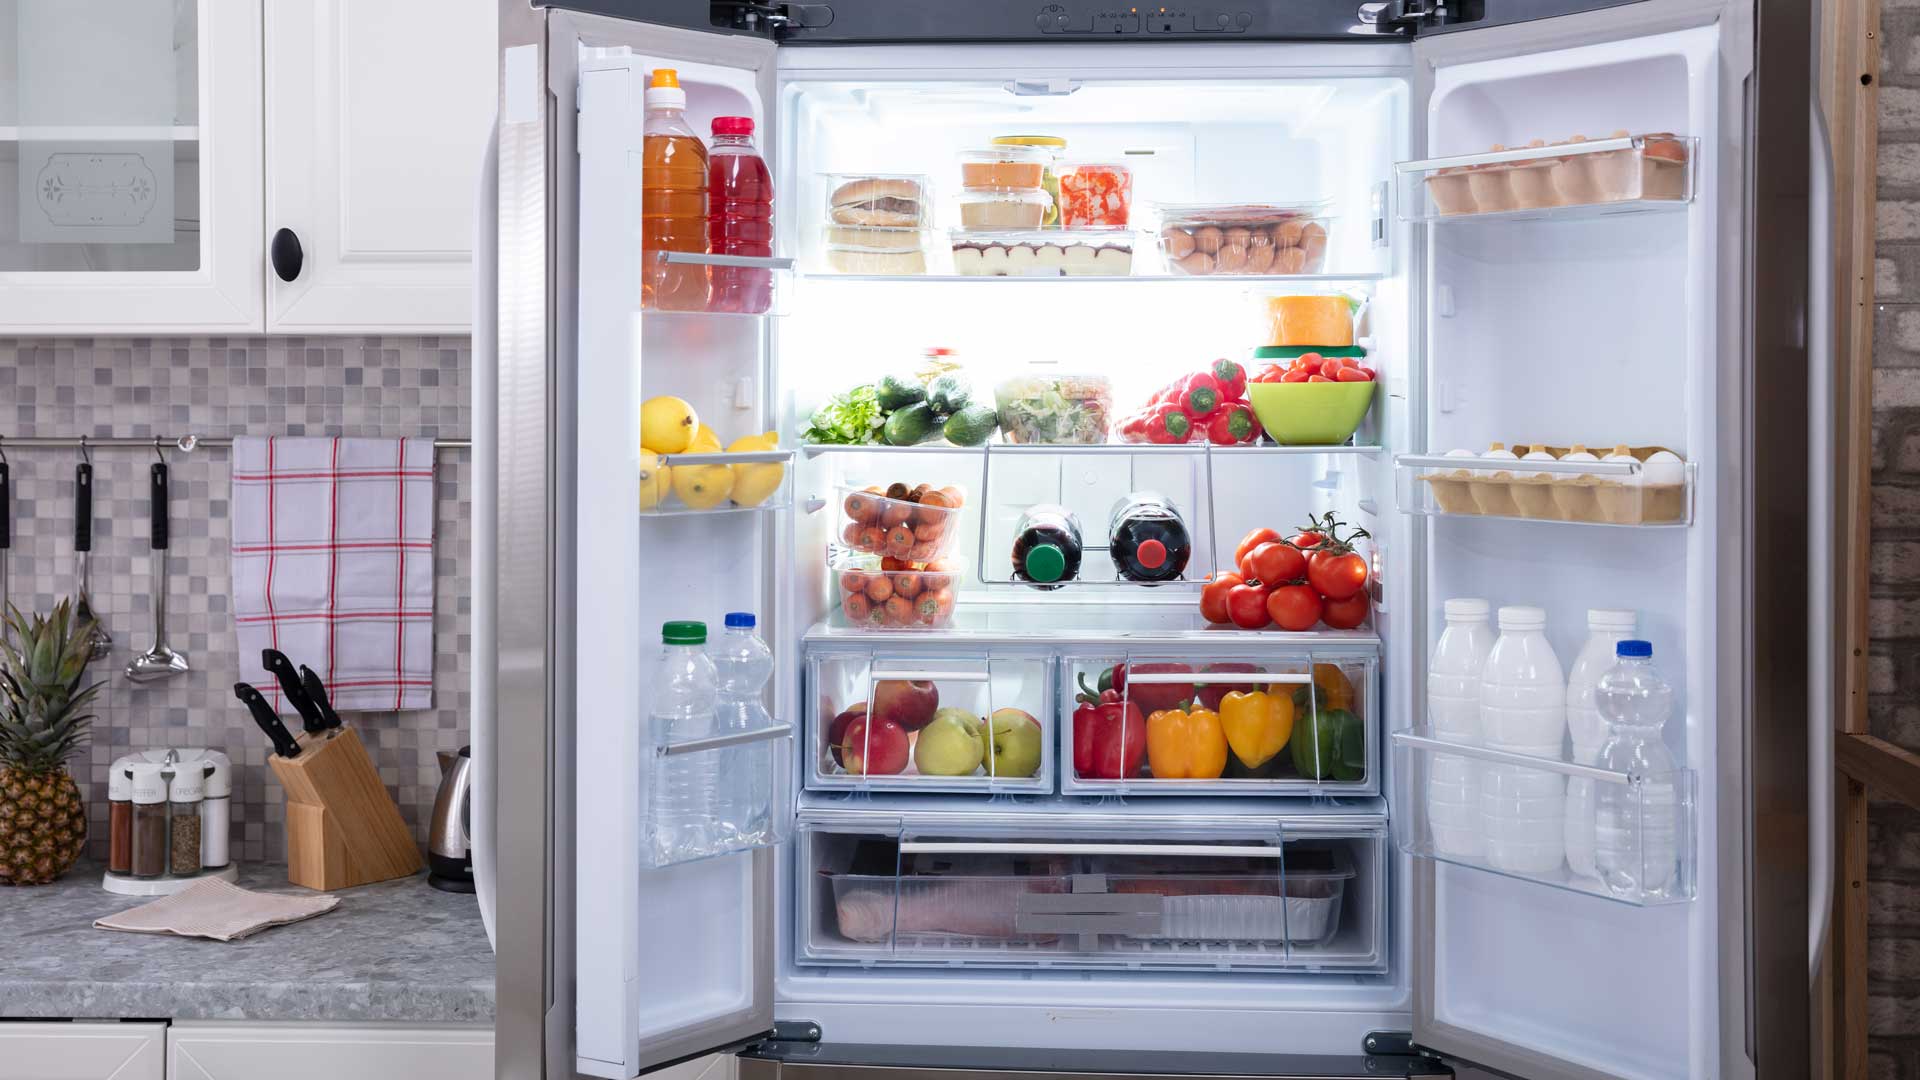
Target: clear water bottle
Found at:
x=1453, y=711
x=1606, y=628
x=686, y=788
x=742, y=664
x=1636, y=841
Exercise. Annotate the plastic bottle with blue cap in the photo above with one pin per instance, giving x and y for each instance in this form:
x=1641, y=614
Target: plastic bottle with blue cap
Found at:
x=1636, y=835
x=742, y=664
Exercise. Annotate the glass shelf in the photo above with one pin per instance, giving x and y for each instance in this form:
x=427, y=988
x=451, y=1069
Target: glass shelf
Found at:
x=1066, y=620
x=1595, y=178
x=744, y=469
x=748, y=789
x=689, y=283
x=1240, y=280
x=1645, y=846
x=1605, y=493
x=815, y=450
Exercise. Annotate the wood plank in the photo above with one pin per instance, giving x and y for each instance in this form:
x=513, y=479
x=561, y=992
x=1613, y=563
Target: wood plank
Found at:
x=1848, y=957
x=1886, y=769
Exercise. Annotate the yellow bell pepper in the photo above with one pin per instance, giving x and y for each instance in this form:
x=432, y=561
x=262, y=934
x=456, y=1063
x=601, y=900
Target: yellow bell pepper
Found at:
x=1332, y=686
x=1186, y=745
x=1257, y=725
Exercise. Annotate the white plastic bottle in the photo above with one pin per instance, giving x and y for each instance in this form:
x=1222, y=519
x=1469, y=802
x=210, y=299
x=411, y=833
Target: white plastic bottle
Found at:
x=686, y=786
x=1636, y=836
x=1523, y=710
x=742, y=664
x=1453, y=710
x=1606, y=627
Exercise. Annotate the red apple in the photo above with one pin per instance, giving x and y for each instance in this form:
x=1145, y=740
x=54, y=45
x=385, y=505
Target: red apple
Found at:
x=875, y=746
x=909, y=704
x=837, y=729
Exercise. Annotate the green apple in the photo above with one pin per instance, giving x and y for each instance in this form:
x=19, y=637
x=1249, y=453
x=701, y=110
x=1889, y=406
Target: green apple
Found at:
x=950, y=744
x=1015, y=747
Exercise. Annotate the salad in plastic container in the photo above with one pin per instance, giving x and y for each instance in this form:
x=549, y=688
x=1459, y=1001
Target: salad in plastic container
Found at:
x=1047, y=408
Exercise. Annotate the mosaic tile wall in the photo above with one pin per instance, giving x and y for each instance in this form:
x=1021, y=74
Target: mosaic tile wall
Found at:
x=146, y=387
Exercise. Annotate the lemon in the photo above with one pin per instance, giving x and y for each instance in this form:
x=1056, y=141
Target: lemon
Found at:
x=702, y=487
x=656, y=479
x=752, y=484
x=704, y=441
x=667, y=425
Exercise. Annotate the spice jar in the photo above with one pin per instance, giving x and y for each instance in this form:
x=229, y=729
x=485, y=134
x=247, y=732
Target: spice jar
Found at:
x=120, y=818
x=150, y=839
x=188, y=788
x=216, y=813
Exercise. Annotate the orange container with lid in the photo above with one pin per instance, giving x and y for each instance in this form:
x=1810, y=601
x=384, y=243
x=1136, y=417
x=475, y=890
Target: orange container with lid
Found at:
x=1319, y=320
x=673, y=199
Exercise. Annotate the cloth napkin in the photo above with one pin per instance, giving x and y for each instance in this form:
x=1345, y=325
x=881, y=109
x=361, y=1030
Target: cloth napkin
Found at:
x=217, y=909
x=333, y=565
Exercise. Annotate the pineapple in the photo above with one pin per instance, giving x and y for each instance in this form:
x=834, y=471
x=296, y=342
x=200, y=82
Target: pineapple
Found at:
x=43, y=823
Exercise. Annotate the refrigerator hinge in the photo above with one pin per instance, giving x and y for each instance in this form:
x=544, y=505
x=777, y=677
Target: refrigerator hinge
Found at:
x=795, y=1031
x=1408, y=16
x=770, y=18
x=1401, y=1044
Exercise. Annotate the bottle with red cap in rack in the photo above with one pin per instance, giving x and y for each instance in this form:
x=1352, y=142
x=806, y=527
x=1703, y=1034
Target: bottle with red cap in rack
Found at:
x=1148, y=539
x=739, y=216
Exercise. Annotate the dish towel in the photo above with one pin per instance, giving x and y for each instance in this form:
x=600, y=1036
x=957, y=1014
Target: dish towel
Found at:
x=333, y=565
x=217, y=909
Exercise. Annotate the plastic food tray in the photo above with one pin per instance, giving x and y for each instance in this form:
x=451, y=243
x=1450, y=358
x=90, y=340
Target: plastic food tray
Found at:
x=928, y=595
x=1199, y=240
x=1622, y=169
x=1547, y=491
x=900, y=528
x=1042, y=253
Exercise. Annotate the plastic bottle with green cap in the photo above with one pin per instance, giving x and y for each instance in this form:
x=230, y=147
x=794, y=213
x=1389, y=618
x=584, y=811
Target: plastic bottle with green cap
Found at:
x=681, y=823
x=1047, y=546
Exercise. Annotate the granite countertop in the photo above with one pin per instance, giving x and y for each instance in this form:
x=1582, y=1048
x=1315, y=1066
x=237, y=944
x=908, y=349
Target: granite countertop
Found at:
x=392, y=951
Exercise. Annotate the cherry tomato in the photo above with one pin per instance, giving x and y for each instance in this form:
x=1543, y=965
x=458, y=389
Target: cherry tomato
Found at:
x=1213, y=597
x=1349, y=613
x=1336, y=576
x=1310, y=362
x=1253, y=540
x=1318, y=378
x=1276, y=564
x=1296, y=375
x=1354, y=374
x=1294, y=607
x=1247, y=606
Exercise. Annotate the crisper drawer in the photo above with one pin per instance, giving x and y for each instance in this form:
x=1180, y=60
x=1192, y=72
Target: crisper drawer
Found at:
x=1259, y=895
x=1269, y=722
x=930, y=721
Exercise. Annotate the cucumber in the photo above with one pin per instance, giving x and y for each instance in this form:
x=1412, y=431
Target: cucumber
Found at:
x=909, y=426
x=893, y=392
x=971, y=426
x=948, y=394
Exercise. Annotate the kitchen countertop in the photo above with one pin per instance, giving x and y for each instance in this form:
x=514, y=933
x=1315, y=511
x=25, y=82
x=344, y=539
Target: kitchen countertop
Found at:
x=392, y=951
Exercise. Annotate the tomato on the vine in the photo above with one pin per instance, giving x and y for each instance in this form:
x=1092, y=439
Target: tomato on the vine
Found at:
x=1294, y=607
x=1253, y=540
x=1213, y=597
x=1349, y=613
x=1307, y=539
x=1336, y=574
x=1247, y=606
x=1276, y=564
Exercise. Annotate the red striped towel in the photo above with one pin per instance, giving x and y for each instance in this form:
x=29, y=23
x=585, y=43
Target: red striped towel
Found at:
x=333, y=565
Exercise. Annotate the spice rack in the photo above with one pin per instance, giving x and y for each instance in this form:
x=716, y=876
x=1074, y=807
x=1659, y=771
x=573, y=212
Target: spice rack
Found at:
x=168, y=816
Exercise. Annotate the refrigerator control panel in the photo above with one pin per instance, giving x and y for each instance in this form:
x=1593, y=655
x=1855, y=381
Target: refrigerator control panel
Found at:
x=1136, y=19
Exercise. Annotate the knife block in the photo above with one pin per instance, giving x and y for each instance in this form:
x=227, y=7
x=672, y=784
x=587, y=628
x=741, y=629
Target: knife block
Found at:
x=343, y=829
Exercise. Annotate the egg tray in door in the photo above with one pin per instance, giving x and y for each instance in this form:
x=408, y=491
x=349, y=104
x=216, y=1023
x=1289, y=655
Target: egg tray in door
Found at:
x=1513, y=490
x=343, y=828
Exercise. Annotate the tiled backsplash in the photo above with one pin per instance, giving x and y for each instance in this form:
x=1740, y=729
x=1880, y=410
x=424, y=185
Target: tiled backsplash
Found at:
x=147, y=387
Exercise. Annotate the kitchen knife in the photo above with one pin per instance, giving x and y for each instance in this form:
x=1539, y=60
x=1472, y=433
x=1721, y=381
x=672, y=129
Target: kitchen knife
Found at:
x=268, y=720
x=317, y=691
x=310, y=718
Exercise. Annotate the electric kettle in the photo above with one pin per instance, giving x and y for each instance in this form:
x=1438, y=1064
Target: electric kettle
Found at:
x=449, y=843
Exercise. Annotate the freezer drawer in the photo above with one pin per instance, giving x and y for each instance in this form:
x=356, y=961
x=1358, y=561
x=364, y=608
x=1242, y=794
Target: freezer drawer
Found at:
x=1304, y=724
x=1260, y=896
x=921, y=720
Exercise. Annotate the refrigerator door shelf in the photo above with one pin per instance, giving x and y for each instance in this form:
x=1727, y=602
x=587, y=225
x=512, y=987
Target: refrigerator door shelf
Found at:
x=976, y=724
x=1591, y=178
x=749, y=482
x=1256, y=897
x=736, y=286
x=1606, y=493
x=1321, y=706
x=746, y=804
x=1070, y=622
x=1644, y=848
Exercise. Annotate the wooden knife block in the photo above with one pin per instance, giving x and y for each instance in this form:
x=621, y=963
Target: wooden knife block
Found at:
x=343, y=829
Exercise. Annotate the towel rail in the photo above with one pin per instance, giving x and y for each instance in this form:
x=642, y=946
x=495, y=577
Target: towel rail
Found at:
x=183, y=443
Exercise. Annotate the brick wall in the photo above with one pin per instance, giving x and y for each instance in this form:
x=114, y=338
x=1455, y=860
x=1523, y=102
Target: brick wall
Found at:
x=1894, y=612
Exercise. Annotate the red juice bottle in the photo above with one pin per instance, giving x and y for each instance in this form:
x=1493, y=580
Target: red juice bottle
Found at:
x=739, y=216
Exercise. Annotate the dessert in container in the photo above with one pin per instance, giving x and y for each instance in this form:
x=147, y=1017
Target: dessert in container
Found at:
x=890, y=200
x=915, y=524
x=915, y=596
x=996, y=209
x=1005, y=168
x=1096, y=195
x=1045, y=408
x=1042, y=253
x=1243, y=238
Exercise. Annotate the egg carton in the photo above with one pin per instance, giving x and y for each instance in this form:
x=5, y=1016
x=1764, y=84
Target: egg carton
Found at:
x=1620, y=168
x=1650, y=497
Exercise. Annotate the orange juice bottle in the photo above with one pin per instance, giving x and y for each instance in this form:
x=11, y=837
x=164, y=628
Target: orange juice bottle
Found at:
x=673, y=206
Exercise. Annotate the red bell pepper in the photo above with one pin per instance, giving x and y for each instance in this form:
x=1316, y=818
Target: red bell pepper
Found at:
x=1134, y=428
x=1212, y=694
x=1153, y=696
x=1168, y=424
x=1109, y=735
x=1232, y=424
x=1200, y=395
x=1232, y=379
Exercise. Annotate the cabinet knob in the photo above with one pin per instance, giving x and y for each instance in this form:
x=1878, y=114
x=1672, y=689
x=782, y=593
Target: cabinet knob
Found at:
x=286, y=254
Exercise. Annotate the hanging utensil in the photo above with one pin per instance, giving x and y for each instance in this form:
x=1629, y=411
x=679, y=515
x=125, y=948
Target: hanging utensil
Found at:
x=268, y=720
x=83, y=550
x=6, y=537
x=158, y=662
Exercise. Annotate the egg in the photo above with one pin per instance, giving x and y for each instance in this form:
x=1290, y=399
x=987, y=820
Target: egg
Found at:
x=1665, y=467
x=1178, y=243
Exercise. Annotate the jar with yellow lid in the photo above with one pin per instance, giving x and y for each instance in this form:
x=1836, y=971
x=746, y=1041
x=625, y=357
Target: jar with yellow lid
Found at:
x=1050, y=178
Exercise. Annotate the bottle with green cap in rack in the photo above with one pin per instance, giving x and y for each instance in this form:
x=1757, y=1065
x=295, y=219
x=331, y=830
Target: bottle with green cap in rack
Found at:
x=1047, y=546
x=683, y=804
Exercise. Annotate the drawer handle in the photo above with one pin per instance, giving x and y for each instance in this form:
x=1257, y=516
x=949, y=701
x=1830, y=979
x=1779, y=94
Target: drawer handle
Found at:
x=929, y=676
x=286, y=255
x=944, y=847
x=1214, y=678
x=721, y=742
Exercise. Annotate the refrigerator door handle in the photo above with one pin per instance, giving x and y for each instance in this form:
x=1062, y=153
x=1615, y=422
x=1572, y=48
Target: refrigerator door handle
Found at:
x=1820, y=541
x=486, y=475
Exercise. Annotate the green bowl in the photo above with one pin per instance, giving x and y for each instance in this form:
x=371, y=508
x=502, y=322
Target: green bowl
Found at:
x=1310, y=414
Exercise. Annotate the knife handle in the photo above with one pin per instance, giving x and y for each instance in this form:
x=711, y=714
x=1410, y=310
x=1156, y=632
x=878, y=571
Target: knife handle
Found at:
x=317, y=693
x=267, y=720
x=157, y=498
x=83, y=507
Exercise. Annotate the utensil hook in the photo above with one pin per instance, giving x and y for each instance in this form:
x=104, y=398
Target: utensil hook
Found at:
x=159, y=454
x=86, y=455
x=3, y=451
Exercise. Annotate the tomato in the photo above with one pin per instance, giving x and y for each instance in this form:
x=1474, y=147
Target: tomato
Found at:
x=1309, y=362
x=1294, y=607
x=1354, y=374
x=1307, y=539
x=1252, y=540
x=1349, y=613
x=1318, y=378
x=1247, y=606
x=1337, y=575
x=1297, y=375
x=1213, y=597
x=1276, y=564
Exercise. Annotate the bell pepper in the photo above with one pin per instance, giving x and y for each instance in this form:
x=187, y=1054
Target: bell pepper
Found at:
x=1168, y=423
x=1186, y=745
x=1330, y=686
x=1330, y=745
x=1153, y=696
x=1257, y=724
x=1109, y=735
x=1200, y=395
x=1232, y=378
x=1231, y=424
x=1212, y=694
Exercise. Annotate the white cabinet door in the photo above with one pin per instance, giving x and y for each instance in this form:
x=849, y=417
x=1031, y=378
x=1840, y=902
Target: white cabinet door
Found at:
x=216, y=1051
x=130, y=167
x=83, y=1050
x=376, y=118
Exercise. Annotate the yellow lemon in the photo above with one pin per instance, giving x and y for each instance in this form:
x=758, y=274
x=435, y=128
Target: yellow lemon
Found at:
x=753, y=484
x=667, y=425
x=702, y=487
x=655, y=480
x=704, y=441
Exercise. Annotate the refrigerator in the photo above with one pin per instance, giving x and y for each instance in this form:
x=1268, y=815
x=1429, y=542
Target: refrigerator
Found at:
x=1312, y=920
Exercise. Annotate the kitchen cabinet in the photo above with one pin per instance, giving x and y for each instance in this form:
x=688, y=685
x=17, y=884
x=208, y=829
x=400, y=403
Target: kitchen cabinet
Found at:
x=83, y=1050
x=242, y=1051
x=136, y=128
x=373, y=161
